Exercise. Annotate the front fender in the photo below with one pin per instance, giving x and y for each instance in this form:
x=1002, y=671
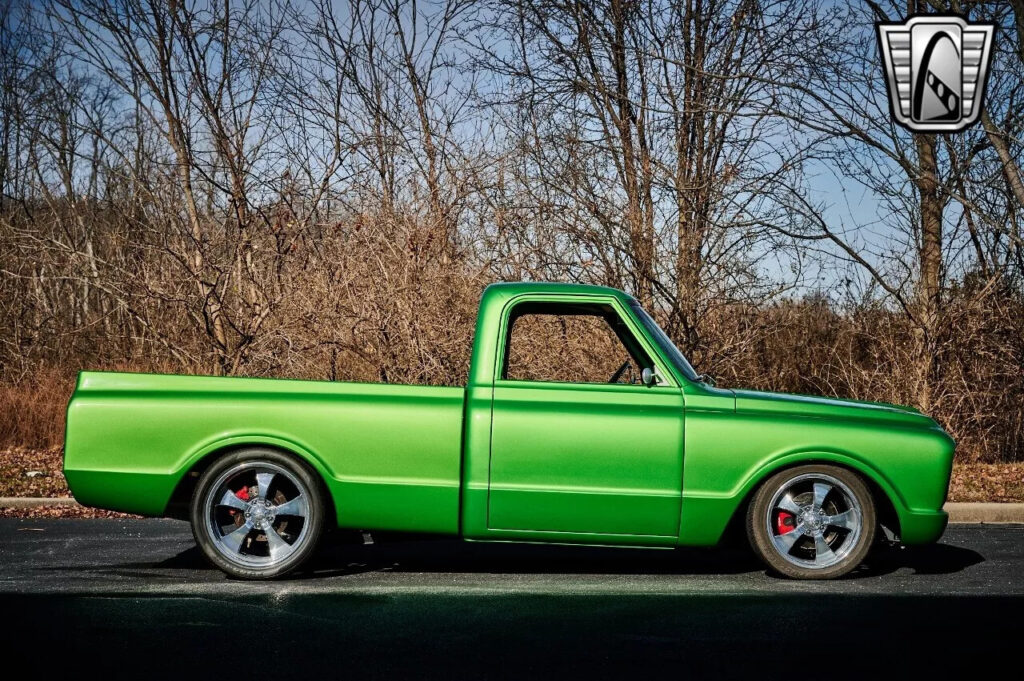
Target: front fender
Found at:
x=706, y=514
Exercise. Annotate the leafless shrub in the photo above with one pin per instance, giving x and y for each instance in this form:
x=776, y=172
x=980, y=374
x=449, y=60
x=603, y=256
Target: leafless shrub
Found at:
x=33, y=409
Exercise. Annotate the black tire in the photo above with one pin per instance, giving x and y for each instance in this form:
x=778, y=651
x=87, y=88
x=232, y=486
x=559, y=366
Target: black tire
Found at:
x=820, y=550
x=291, y=486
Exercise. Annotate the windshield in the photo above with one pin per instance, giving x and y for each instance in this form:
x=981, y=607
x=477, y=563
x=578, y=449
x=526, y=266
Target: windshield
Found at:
x=664, y=342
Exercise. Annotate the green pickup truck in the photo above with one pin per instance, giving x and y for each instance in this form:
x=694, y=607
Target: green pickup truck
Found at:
x=580, y=423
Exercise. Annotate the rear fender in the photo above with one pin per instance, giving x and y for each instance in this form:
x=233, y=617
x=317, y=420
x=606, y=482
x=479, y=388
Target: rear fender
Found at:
x=213, y=448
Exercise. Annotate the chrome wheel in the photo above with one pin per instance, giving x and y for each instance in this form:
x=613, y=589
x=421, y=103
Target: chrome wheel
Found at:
x=814, y=521
x=257, y=514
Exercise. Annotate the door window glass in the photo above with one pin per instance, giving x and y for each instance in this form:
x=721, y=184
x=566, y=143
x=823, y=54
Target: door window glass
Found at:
x=572, y=345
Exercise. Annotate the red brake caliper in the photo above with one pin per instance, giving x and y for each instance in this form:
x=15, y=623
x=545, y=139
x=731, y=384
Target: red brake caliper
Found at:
x=784, y=522
x=242, y=494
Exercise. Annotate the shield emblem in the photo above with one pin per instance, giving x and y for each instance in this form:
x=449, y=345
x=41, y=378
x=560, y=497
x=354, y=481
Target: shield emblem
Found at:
x=936, y=68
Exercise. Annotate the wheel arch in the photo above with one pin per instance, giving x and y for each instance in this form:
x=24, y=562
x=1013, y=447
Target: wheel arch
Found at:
x=198, y=462
x=882, y=492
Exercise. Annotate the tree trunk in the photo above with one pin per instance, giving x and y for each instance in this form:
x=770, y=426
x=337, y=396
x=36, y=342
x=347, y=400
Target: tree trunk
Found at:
x=641, y=242
x=1010, y=168
x=929, y=285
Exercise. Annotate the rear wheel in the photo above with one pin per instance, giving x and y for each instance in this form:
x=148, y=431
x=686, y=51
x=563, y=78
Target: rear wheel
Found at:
x=812, y=522
x=257, y=514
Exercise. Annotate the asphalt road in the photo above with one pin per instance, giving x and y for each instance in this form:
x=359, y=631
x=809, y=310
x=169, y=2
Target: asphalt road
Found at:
x=134, y=599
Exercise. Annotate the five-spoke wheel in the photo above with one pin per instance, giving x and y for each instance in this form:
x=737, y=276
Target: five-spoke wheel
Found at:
x=257, y=513
x=814, y=521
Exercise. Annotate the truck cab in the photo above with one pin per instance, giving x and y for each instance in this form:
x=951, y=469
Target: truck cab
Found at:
x=581, y=438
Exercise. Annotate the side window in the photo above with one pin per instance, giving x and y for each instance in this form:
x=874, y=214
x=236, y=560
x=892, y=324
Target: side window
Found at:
x=577, y=344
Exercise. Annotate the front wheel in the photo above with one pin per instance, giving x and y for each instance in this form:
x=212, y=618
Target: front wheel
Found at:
x=812, y=522
x=257, y=514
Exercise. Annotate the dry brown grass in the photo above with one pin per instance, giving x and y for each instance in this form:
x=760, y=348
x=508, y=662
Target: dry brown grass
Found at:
x=32, y=409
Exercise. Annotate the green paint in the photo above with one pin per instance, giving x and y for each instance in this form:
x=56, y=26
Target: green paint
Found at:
x=507, y=460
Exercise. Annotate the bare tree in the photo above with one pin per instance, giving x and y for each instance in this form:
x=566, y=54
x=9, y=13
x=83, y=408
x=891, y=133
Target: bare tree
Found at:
x=648, y=134
x=321, y=190
x=840, y=96
x=200, y=75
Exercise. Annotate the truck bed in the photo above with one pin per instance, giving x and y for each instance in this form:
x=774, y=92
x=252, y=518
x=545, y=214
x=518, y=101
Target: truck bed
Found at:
x=390, y=454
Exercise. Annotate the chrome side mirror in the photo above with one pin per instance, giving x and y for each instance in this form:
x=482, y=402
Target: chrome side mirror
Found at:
x=648, y=377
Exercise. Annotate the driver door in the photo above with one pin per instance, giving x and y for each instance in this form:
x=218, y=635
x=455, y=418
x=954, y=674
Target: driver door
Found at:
x=571, y=452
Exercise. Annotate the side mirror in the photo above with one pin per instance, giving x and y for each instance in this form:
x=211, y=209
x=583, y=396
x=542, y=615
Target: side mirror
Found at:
x=648, y=377
x=708, y=379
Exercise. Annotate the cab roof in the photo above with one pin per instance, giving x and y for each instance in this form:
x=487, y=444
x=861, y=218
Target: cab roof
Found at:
x=512, y=289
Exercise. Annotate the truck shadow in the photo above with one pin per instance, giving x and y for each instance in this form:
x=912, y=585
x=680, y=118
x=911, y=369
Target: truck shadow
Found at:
x=341, y=556
x=448, y=556
x=933, y=559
